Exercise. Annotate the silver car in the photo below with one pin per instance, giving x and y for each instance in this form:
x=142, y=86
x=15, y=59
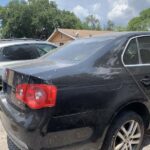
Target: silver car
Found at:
x=17, y=51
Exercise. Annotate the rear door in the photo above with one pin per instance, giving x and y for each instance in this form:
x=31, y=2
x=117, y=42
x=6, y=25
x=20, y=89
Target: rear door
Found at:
x=136, y=59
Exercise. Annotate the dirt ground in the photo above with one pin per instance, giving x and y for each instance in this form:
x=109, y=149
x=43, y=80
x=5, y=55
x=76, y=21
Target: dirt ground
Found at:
x=3, y=143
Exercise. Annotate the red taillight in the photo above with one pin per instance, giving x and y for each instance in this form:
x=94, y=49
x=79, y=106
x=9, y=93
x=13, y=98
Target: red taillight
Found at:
x=37, y=96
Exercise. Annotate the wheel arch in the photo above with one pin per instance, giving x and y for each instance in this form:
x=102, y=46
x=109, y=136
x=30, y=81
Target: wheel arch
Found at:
x=138, y=107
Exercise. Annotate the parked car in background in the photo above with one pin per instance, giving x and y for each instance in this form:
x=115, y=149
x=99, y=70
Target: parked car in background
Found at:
x=91, y=94
x=17, y=51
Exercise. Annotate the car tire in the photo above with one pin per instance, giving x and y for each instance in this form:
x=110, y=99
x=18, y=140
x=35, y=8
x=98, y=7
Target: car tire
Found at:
x=11, y=145
x=127, y=130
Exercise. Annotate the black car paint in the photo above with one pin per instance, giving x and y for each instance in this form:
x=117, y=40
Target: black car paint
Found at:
x=90, y=94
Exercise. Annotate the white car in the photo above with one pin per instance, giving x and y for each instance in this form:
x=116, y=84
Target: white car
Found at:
x=17, y=51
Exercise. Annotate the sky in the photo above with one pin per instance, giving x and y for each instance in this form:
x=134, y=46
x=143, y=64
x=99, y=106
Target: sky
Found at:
x=119, y=11
x=3, y=2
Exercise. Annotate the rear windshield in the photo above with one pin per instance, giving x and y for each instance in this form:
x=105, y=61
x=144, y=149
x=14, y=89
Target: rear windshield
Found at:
x=78, y=50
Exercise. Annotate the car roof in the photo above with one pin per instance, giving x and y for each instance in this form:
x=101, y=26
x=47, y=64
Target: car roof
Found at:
x=7, y=42
x=116, y=35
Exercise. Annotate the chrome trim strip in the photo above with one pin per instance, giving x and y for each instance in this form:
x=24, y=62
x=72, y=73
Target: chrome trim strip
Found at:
x=137, y=65
x=135, y=37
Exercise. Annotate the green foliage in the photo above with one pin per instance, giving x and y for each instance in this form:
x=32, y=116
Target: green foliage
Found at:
x=120, y=28
x=91, y=22
x=35, y=18
x=0, y=33
x=110, y=25
x=67, y=19
x=141, y=23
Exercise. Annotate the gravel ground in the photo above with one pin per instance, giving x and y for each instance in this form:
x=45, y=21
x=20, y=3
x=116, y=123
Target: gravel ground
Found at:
x=146, y=145
x=3, y=143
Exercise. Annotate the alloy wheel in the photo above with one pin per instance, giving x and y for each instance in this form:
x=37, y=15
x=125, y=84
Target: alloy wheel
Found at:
x=128, y=137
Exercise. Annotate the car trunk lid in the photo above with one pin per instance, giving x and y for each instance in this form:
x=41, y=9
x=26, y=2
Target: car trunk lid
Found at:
x=39, y=67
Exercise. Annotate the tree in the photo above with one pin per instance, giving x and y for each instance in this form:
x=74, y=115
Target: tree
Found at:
x=120, y=28
x=34, y=19
x=93, y=22
x=110, y=25
x=141, y=23
x=68, y=20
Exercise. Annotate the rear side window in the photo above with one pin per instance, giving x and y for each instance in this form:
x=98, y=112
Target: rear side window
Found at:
x=19, y=52
x=144, y=47
x=44, y=48
x=131, y=53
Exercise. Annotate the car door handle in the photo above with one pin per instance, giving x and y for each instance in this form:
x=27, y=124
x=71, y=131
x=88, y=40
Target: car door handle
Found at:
x=146, y=81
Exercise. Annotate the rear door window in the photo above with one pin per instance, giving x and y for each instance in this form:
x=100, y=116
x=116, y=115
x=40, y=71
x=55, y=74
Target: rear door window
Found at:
x=44, y=48
x=144, y=47
x=131, y=54
x=19, y=52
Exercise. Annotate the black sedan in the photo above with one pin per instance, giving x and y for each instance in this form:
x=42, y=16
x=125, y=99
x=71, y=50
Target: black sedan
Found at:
x=91, y=94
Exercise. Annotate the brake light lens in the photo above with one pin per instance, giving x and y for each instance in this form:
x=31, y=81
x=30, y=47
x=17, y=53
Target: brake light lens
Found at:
x=37, y=96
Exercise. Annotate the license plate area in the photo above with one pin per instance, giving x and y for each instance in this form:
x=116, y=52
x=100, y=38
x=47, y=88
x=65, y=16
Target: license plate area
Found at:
x=10, y=96
x=11, y=80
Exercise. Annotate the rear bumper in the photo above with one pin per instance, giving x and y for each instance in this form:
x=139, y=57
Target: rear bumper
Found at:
x=26, y=130
x=19, y=127
x=21, y=145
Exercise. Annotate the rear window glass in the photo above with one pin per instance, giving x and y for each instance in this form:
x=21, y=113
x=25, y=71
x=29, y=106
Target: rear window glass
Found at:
x=79, y=50
x=131, y=53
x=44, y=48
x=144, y=46
x=19, y=52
